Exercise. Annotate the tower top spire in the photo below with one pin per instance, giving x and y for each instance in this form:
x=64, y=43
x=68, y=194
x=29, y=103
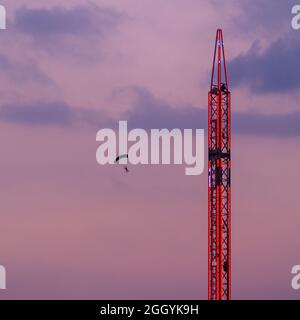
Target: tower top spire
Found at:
x=219, y=70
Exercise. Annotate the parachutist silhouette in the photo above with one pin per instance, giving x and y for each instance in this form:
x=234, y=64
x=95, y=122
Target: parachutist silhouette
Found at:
x=124, y=156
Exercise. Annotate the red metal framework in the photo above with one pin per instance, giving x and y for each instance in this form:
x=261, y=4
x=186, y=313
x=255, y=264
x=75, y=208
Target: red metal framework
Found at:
x=219, y=208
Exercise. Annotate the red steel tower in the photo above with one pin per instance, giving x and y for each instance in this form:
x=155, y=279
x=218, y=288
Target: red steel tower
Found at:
x=219, y=178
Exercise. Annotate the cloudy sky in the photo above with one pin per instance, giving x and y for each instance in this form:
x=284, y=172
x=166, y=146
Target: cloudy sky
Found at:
x=73, y=229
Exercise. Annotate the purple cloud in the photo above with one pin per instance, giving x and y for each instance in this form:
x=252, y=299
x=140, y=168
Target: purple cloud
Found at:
x=59, y=30
x=22, y=72
x=37, y=114
x=55, y=113
x=275, y=69
x=60, y=21
x=148, y=113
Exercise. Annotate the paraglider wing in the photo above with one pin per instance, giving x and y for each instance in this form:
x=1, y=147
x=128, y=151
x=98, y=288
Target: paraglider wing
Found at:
x=124, y=156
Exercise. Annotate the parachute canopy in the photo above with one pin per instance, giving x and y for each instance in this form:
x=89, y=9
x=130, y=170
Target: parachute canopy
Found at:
x=124, y=156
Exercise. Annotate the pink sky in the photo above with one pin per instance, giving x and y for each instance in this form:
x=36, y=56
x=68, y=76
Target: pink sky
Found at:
x=73, y=229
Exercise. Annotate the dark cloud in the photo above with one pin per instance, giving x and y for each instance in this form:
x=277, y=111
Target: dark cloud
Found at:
x=59, y=21
x=267, y=125
x=22, y=72
x=273, y=70
x=74, y=32
x=52, y=114
x=37, y=114
x=148, y=113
